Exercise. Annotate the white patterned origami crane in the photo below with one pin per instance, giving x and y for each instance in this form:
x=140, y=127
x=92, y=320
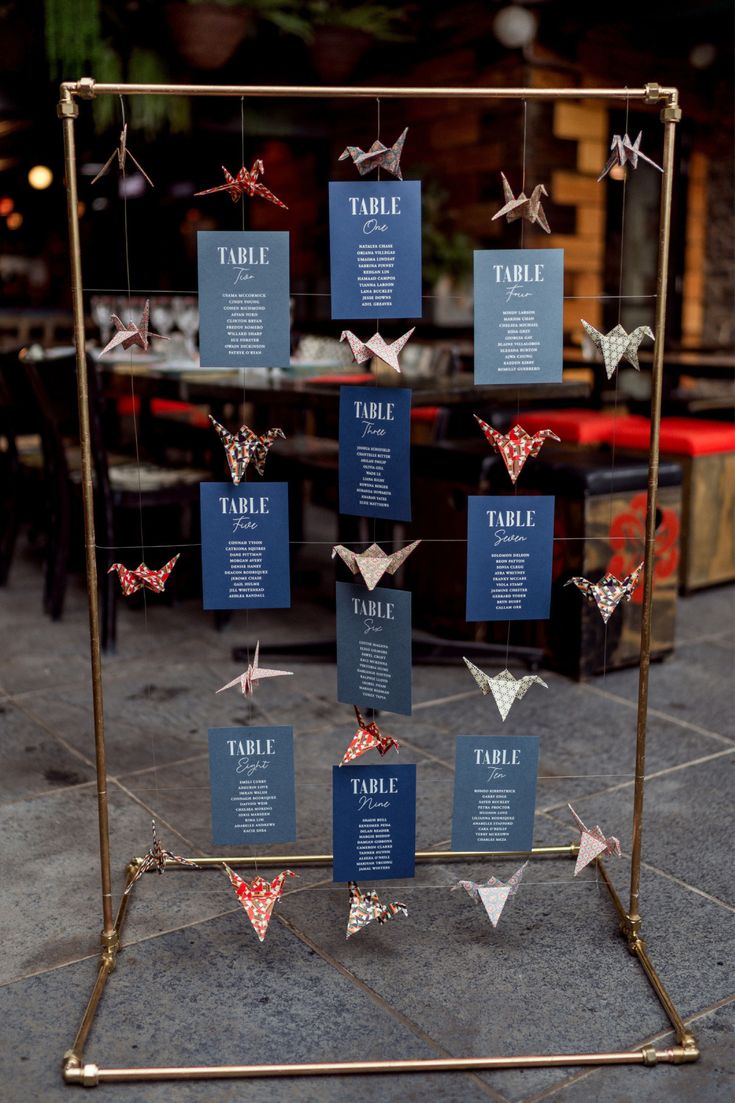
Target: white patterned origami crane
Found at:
x=133, y=333
x=253, y=674
x=156, y=858
x=244, y=447
x=624, y=151
x=366, y=907
x=122, y=153
x=378, y=156
x=373, y=563
x=376, y=346
x=493, y=893
x=365, y=738
x=593, y=844
x=133, y=579
x=245, y=183
x=504, y=687
x=524, y=206
x=618, y=345
x=258, y=897
x=609, y=591
x=517, y=446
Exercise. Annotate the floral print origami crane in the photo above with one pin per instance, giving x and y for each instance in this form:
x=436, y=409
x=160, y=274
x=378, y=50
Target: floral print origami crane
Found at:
x=626, y=152
x=254, y=673
x=609, y=591
x=378, y=156
x=376, y=346
x=134, y=333
x=245, y=183
x=373, y=563
x=245, y=447
x=366, y=907
x=618, y=345
x=132, y=580
x=156, y=858
x=517, y=446
x=528, y=207
x=593, y=844
x=258, y=897
x=504, y=687
x=365, y=738
x=493, y=893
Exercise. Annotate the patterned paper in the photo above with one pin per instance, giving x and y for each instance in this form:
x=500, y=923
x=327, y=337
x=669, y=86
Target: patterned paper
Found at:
x=609, y=591
x=618, y=345
x=378, y=156
x=366, y=907
x=365, y=738
x=258, y=897
x=245, y=183
x=133, y=580
x=244, y=447
x=517, y=446
x=593, y=844
x=528, y=207
x=122, y=153
x=156, y=858
x=376, y=346
x=626, y=152
x=373, y=563
x=493, y=893
x=254, y=673
x=132, y=333
x=504, y=687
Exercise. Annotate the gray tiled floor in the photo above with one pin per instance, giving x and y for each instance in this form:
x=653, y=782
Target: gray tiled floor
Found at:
x=193, y=985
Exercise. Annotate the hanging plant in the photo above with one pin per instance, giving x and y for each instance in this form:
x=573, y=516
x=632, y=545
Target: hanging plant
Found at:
x=73, y=36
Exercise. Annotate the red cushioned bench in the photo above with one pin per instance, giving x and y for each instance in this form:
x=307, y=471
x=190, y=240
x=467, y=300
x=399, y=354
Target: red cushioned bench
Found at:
x=576, y=426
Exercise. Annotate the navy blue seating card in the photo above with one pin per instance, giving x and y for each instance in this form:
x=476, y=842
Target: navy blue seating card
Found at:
x=510, y=540
x=373, y=822
x=375, y=452
x=494, y=792
x=374, y=647
x=251, y=775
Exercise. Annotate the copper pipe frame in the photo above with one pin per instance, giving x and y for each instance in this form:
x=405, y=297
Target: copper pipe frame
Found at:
x=75, y=1071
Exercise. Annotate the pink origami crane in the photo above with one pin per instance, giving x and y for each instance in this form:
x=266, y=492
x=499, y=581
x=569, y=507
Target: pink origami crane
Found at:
x=378, y=156
x=373, y=563
x=366, y=907
x=624, y=151
x=254, y=673
x=156, y=858
x=122, y=153
x=505, y=687
x=517, y=446
x=365, y=738
x=609, y=591
x=142, y=576
x=132, y=334
x=493, y=893
x=618, y=345
x=244, y=447
x=258, y=897
x=245, y=183
x=376, y=346
x=593, y=844
x=528, y=207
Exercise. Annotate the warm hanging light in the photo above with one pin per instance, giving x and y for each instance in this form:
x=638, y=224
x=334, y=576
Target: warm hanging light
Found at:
x=14, y=220
x=40, y=177
x=6, y=205
x=514, y=27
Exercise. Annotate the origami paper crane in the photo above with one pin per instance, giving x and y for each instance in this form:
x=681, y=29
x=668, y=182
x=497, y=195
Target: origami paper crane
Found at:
x=618, y=345
x=378, y=156
x=609, y=591
x=254, y=673
x=122, y=153
x=376, y=346
x=132, y=334
x=142, y=576
x=373, y=563
x=504, y=687
x=245, y=183
x=517, y=446
x=528, y=207
x=623, y=151
x=156, y=858
x=244, y=447
x=365, y=738
x=366, y=907
x=258, y=897
x=493, y=893
x=592, y=844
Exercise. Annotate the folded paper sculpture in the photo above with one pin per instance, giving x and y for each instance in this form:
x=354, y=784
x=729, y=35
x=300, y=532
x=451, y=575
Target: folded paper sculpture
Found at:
x=366, y=907
x=609, y=591
x=156, y=858
x=493, y=893
x=593, y=844
x=626, y=152
x=373, y=563
x=504, y=687
x=132, y=580
x=378, y=156
x=245, y=183
x=618, y=345
x=365, y=738
x=523, y=206
x=244, y=447
x=253, y=674
x=122, y=153
x=134, y=333
x=258, y=897
x=376, y=346
x=517, y=446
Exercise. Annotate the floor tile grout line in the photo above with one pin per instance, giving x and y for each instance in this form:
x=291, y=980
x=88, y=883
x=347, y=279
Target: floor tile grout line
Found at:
x=657, y=713
x=685, y=885
x=59, y=738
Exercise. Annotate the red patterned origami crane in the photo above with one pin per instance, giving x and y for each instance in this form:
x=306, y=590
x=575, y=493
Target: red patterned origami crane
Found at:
x=365, y=738
x=132, y=334
x=373, y=563
x=244, y=447
x=254, y=673
x=378, y=156
x=245, y=183
x=142, y=576
x=624, y=151
x=493, y=893
x=156, y=858
x=122, y=153
x=528, y=207
x=366, y=907
x=258, y=897
x=593, y=843
x=517, y=446
x=609, y=591
x=376, y=346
